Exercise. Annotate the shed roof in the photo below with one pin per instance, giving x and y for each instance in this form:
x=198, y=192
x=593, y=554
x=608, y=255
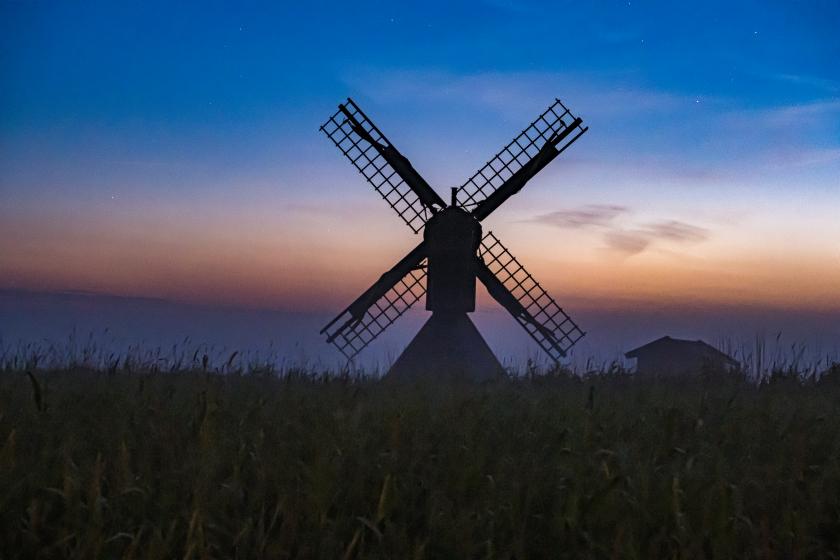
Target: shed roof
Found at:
x=668, y=344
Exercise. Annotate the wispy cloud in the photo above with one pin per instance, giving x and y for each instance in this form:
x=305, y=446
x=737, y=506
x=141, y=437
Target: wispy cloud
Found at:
x=806, y=80
x=597, y=96
x=795, y=114
x=631, y=117
x=805, y=158
x=783, y=136
x=631, y=242
x=674, y=230
x=507, y=91
x=694, y=139
x=816, y=112
x=585, y=216
x=627, y=242
x=619, y=232
x=634, y=241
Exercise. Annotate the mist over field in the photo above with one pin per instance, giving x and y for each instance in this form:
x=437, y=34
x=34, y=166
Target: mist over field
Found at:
x=117, y=323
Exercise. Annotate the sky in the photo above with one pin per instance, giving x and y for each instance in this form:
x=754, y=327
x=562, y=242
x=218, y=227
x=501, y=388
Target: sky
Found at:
x=172, y=152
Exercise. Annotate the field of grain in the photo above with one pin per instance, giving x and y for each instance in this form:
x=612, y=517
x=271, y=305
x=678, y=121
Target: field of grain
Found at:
x=127, y=463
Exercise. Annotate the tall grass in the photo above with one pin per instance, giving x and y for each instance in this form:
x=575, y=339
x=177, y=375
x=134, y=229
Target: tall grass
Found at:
x=760, y=359
x=131, y=462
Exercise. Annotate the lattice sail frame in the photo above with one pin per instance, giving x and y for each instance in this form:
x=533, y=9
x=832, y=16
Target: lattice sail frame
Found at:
x=373, y=166
x=379, y=316
x=536, y=301
x=518, y=153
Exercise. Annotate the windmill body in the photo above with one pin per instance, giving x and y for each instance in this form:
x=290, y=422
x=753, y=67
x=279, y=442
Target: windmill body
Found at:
x=453, y=254
x=452, y=238
x=449, y=344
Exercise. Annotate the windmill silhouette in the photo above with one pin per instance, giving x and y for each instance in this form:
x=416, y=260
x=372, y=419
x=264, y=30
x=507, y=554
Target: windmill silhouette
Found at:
x=453, y=253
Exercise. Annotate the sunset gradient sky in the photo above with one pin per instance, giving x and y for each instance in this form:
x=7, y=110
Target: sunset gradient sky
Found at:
x=174, y=152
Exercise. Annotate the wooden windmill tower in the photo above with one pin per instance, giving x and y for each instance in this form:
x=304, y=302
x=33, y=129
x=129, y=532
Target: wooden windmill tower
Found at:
x=453, y=253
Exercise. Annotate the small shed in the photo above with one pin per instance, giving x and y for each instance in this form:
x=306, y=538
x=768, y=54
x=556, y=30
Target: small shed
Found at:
x=672, y=356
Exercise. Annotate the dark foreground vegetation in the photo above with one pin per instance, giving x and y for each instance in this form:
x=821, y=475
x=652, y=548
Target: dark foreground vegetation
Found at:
x=144, y=464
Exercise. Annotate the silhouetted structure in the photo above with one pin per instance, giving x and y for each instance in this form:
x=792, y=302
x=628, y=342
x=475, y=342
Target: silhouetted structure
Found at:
x=453, y=253
x=672, y=356
x=830, y=374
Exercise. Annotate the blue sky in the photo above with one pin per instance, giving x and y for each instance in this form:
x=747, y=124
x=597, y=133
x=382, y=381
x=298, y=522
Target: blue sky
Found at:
x=237, y=81
x=171, y=151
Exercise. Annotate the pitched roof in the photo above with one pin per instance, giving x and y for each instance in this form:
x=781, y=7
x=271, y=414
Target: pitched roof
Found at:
x=678, y=345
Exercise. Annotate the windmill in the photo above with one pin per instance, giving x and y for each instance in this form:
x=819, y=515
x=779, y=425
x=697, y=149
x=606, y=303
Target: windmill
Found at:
x=453, y=253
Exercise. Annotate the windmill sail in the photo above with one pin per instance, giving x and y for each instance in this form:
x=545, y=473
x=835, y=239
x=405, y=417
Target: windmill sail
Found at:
x=516, y=290
x=380, y=305
x=508, y=171
x=446, y=261
x=390, y=173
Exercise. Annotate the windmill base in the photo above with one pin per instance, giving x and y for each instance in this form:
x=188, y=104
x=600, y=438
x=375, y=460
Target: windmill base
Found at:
x=448, y=347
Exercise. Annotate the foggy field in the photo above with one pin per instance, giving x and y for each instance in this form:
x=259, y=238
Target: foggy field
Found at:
x=201, y=465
